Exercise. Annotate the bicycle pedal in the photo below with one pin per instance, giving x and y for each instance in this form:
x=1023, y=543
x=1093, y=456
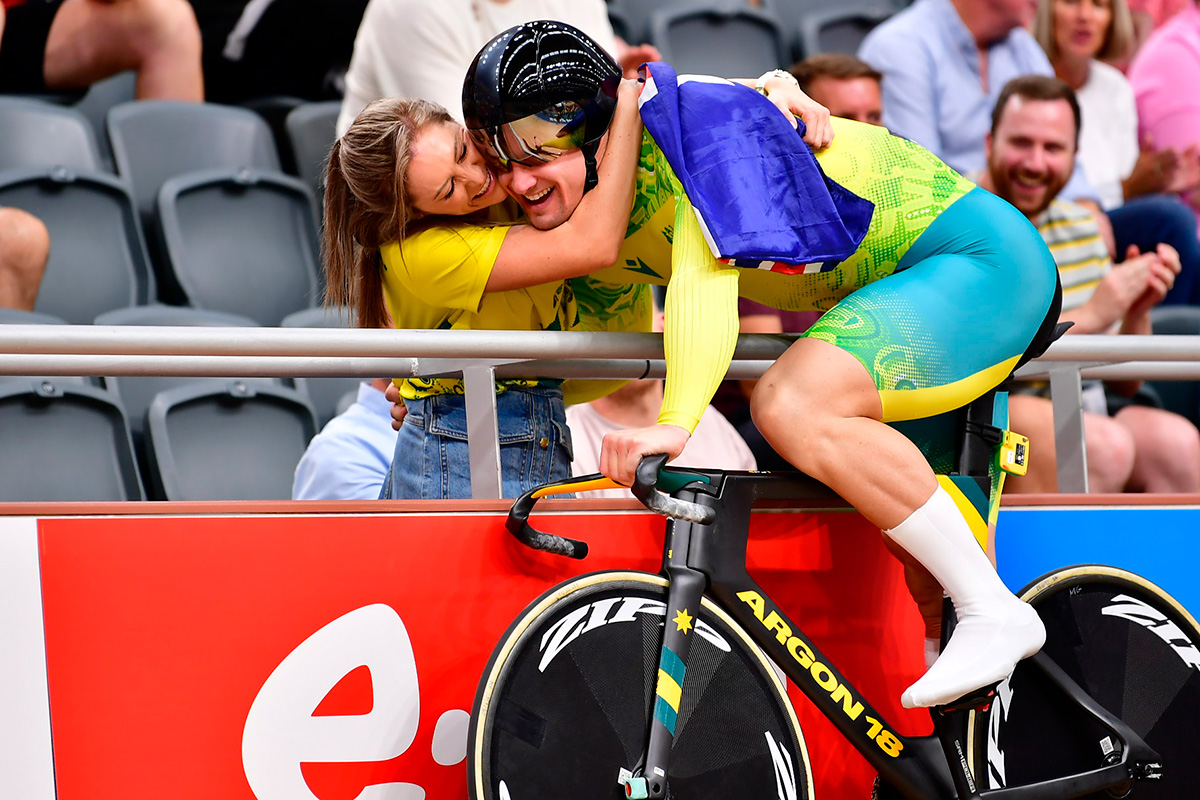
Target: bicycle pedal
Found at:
x=637, y=788
x=979, y=700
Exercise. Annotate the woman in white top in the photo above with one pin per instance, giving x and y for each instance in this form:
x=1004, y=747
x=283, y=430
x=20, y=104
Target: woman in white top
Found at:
x=1137, y=183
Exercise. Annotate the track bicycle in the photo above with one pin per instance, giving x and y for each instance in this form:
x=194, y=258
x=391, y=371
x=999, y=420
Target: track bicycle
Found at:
x=624, y=684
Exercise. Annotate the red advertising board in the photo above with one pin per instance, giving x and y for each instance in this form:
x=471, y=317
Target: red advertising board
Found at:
x=285, y=657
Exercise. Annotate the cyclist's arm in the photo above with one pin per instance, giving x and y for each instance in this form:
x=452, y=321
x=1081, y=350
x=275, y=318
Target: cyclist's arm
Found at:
x=591, y=238
x=702, y=322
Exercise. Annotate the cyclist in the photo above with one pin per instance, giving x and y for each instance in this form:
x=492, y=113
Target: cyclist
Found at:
x=413, y=236
x=929, y=301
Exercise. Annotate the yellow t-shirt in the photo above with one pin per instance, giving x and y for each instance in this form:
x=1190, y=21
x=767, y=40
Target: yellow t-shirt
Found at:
x=435, y=279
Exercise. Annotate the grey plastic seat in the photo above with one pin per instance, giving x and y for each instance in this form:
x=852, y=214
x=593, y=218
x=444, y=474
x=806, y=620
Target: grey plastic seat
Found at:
x=1182, y=397
x=839, y=30
x=98, y=258
x=64, y=441
x=36, y=133
x=138, y=391
x=155, y=140
x=99, y=98
x=719, y=39
x=240, y=444
x=311, y=130
x=792, y=15
x=326, y=393
x=241, y=241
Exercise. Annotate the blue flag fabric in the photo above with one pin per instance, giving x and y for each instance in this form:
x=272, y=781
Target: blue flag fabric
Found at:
x=760, y=195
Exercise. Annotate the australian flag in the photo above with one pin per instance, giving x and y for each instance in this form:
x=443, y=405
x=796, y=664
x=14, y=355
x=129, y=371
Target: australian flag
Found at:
x=761, y=197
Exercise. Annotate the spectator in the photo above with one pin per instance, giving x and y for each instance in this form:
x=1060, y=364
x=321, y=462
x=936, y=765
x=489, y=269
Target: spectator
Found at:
x=1136, y=187
x=1031, y=151
x=267, y=48
x=24, y=249
x=944, y=63
x=1166, y=84
x=847, y=86
x=440, y=38
x=350, y=457
x=70, y=44
x=715, y=443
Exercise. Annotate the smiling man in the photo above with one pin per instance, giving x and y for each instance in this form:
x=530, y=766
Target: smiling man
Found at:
x=1030, y=154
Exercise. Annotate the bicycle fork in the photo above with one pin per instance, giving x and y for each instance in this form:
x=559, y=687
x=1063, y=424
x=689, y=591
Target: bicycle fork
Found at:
x=686, y=587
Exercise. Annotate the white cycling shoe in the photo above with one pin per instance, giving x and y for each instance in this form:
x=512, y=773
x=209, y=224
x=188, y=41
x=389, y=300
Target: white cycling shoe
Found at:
x=995, y=629
x=981, y=651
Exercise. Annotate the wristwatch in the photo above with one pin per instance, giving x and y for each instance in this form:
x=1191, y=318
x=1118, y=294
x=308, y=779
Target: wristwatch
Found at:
x=760, y=85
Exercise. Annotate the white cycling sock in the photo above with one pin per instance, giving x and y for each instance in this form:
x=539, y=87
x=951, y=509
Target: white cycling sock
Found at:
x=995, y=630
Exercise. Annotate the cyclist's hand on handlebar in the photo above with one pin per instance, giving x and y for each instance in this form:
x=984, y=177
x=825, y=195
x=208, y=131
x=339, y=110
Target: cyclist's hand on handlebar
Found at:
x=622, y=450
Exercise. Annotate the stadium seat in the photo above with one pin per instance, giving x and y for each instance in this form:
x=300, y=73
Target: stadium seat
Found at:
x=41, y=134
x=99, y=98
x=1182, y=397
x=719, y=39
x=793, y=13
x=154, y=140
x=621, y=24
x=98, y=258
x=838, y=30
x=239, y=444
x=274, y=110
x=138, y=391
x=311, y=133
x=242, y=241
x=64, y=442
x=325, y=393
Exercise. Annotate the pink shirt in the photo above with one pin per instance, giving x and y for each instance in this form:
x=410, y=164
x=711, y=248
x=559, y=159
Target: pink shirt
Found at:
x=1159, y=10
x=1166, y=83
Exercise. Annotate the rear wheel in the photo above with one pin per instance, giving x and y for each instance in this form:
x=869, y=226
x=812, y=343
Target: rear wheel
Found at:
x=1130, y=646
x=564, y=706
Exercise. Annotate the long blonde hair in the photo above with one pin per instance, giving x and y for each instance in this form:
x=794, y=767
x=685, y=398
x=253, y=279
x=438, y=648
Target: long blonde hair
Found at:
x=366, y=202
x=1118, y=42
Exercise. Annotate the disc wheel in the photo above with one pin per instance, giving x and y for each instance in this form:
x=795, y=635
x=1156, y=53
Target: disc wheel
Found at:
x=564, y=706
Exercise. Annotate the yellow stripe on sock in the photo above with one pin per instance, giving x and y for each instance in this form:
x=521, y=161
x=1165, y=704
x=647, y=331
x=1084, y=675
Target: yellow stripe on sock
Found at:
x=976, y=523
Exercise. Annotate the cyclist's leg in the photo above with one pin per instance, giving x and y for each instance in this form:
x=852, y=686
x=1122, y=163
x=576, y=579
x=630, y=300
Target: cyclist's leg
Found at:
x=920, y=342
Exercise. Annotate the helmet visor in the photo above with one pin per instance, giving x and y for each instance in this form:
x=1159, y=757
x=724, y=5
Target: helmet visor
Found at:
x=534, y=139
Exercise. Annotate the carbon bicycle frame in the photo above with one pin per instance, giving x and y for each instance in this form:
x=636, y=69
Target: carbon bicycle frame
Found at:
x=711, y=559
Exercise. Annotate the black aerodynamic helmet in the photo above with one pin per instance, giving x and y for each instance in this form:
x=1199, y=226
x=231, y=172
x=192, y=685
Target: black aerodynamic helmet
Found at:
x=539, y=90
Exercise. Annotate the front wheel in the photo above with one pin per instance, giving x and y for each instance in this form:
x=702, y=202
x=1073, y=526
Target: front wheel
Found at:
x=1130, y=646
x=564, y=706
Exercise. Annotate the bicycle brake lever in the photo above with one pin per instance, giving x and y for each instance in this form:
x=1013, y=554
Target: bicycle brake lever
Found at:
x=644, y=489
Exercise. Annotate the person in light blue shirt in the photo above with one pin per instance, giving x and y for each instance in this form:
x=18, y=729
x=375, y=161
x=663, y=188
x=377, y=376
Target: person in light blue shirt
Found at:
x=944, y=63
x=349, y=458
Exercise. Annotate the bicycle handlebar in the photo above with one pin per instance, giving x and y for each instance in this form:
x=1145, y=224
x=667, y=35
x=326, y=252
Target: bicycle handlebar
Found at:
x=644, y=489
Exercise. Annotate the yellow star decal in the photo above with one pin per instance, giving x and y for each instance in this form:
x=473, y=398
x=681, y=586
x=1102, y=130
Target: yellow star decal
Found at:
x=683, y=620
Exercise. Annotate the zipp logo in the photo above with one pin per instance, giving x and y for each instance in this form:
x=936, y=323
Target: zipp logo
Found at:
x=996, y=719
x=613, y=610
x=1156, y=622
x=282, y=732
x=785, y=770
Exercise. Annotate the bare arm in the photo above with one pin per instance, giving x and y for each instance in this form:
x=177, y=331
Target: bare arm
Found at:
x=591, y=238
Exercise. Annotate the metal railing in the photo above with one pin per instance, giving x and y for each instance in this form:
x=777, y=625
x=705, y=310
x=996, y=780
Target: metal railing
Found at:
x=483, y=356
